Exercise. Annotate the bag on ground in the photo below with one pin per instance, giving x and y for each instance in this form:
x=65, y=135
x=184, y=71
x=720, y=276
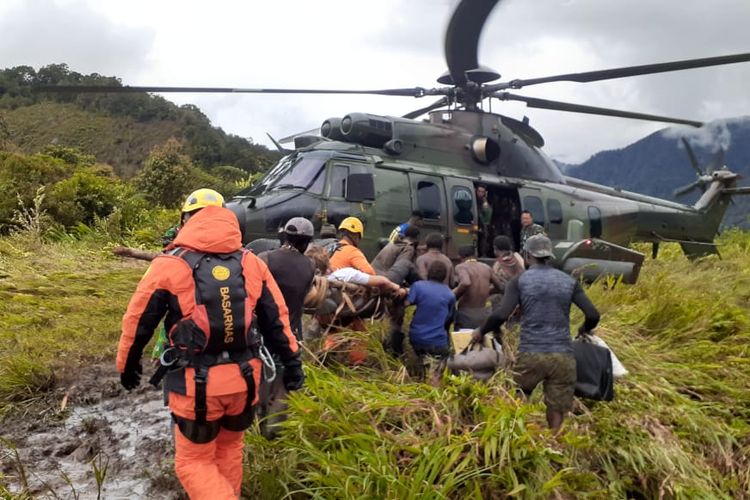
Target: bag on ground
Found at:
x=618, y=370
x=478, y=360
x=594, y=371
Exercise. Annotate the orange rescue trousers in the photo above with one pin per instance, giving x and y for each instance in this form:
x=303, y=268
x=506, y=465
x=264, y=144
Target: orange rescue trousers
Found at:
x=334, y=342
x=212, y=470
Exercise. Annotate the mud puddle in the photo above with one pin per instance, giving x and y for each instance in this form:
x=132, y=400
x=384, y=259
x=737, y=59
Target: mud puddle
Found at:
x=101, y=442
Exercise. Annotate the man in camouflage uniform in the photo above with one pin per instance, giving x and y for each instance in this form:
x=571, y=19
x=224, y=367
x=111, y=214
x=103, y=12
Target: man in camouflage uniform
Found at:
x=528, y=229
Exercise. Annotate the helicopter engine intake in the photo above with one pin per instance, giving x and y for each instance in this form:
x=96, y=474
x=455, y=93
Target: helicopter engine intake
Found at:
x=331, y=129
x=368, y=130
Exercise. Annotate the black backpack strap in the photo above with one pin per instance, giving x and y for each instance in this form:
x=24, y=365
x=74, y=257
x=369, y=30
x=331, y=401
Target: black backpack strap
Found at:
x=201, y=408
x=242, y=421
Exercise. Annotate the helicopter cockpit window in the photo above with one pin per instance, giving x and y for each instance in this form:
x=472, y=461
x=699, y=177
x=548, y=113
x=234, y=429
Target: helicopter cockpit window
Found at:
x=299, y=172
x=428, y=198
x=534, y=205
x=595, y=222
x=305, y=173
x=463, y=201
x=339, y=174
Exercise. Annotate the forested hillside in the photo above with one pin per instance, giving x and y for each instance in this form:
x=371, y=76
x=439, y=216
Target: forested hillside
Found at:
x=119, y=129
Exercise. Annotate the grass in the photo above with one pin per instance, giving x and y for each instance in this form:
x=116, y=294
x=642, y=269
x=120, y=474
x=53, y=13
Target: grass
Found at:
x=678, y=427
x=60, y=307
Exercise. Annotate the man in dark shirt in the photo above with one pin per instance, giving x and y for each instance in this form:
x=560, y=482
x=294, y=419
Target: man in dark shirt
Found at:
x=434, y=244
x=545, y=353
x=292, y=270
x=396, y=262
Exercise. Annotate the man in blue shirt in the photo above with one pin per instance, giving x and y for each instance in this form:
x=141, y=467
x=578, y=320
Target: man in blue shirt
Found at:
x=400, y=230
x=428, y=332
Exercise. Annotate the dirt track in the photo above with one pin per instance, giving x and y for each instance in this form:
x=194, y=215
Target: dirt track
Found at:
x=101, y=425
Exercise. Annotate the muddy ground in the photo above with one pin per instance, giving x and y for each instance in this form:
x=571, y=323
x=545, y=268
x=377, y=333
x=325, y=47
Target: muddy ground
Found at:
x=92, y=438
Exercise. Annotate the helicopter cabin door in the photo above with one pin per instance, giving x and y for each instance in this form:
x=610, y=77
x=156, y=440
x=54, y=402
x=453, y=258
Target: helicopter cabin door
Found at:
x=428, y=196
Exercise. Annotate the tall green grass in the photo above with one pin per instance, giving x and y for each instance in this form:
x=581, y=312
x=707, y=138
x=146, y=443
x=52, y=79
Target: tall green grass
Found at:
x=60, y=309
x=678, y=428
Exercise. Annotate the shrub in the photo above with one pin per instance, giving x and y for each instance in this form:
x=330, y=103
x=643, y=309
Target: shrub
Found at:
x=83, y=197
x=165, y=179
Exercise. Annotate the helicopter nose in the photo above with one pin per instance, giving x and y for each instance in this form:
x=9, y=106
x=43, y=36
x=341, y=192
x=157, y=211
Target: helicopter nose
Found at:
x=241, y=213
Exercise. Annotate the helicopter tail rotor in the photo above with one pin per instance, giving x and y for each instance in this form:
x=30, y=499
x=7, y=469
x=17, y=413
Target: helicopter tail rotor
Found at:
x=704, y=176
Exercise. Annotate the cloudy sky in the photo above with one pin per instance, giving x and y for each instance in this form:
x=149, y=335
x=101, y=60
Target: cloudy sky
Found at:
x=362, y=44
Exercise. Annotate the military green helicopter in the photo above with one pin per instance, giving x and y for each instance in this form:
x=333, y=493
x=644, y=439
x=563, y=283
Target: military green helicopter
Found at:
x=382, y=168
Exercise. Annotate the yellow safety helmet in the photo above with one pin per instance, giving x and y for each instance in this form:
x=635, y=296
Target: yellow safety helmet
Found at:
x=353, y=225
x=202, y=198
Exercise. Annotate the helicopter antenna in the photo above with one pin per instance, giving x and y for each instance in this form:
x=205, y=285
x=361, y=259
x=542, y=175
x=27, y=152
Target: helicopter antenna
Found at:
x=281, y=148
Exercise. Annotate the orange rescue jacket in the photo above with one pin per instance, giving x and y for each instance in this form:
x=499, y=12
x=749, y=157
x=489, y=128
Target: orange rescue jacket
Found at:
x=168, y=288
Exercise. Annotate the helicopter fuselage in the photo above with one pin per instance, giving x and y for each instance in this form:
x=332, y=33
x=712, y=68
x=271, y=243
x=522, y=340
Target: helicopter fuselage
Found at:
x=394, y=166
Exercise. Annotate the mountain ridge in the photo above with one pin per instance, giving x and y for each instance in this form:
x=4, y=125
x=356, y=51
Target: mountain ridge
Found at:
x=658, y=164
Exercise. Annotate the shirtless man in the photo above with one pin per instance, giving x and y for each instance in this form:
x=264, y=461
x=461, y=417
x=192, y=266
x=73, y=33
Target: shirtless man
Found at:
x=434, y=244
x=474, y=282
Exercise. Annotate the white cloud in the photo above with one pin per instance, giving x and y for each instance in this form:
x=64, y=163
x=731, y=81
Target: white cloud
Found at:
x=396, y=43
x=41, y=32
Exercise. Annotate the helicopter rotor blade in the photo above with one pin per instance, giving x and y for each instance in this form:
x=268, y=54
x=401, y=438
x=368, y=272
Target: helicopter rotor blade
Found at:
x=419, y=112
x=717, y=162
x=406, y=92
x=609, y=74
x=686, y=189
x=737, y=190
x=462, y=37
x=693, y=159
x=534, y=102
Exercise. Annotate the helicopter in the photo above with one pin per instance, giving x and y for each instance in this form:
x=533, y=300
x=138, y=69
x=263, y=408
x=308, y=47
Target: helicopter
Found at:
x=383, y=168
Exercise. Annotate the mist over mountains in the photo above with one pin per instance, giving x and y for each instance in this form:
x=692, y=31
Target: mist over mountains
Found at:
x=658, y=164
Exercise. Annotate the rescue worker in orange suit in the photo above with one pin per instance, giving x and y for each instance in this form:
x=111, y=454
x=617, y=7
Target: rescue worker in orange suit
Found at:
x=209, y=288
x=344, y=254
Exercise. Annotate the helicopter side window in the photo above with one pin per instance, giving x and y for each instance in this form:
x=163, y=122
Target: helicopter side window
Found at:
x=339, y=175
x=534, y=205
x=595, y=224
x=428, y=199
x=463, y=203
x=554, y=211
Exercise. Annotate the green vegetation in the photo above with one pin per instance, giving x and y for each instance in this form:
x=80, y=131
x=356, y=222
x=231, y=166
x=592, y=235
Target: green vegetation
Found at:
x=74, y=193
x=119, y=129
x=678, y=427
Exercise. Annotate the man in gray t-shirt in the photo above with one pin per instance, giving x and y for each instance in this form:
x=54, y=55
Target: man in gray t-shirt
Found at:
x=545, y=353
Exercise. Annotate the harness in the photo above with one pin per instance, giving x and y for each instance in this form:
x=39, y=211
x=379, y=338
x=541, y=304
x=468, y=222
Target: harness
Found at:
x=216, y=333
x=332, y=248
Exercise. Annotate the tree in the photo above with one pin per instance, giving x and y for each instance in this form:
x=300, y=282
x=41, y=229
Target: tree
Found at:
x=165, y=178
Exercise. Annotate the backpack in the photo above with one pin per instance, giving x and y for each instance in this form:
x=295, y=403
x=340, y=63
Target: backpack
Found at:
x=217, y=332
x=593, y=371
x=218, y=323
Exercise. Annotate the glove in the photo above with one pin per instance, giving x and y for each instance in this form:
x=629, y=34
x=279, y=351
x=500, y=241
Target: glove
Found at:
x=131, y=377
x=294, y=375
x=582, y=332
